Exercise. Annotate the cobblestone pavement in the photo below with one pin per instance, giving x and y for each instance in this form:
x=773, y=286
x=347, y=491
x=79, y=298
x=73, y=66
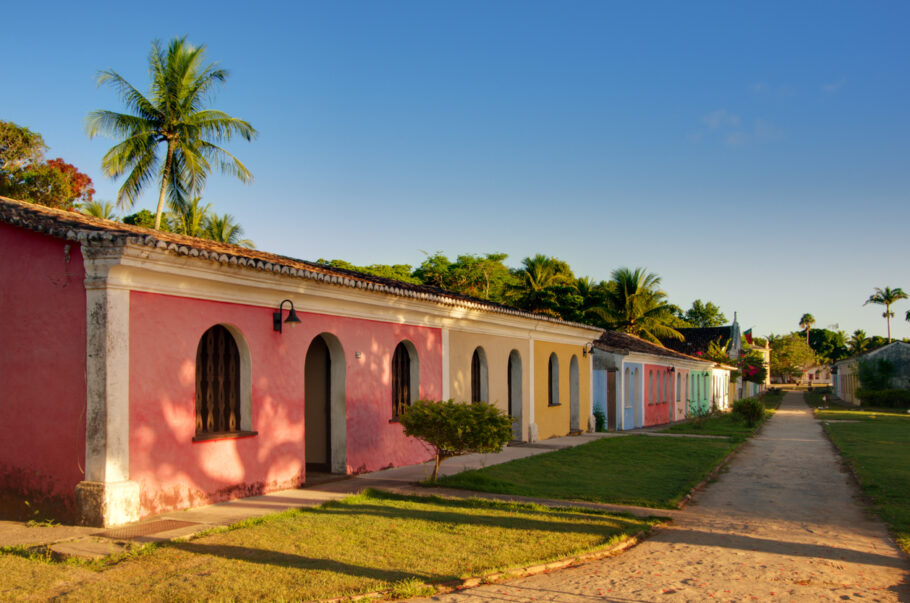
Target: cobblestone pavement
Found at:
x=784, y=522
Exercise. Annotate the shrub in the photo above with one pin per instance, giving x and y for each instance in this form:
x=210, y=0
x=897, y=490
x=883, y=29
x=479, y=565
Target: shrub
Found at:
x=600, y=420
x=884, y=398
x=752, y=410
x=456, y=428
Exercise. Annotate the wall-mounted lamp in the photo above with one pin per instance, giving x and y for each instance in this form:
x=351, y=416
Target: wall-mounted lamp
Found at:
x=586, y=349
x=671, y=369
x=291, y=320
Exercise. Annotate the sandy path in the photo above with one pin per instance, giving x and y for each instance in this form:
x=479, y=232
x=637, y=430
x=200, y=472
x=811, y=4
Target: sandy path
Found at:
x=785, y=522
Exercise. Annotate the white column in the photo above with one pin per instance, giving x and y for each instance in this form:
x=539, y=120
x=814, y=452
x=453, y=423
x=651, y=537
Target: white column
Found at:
x=106, y=497
x=446, y=386
x=532, y=425
x=591, y=423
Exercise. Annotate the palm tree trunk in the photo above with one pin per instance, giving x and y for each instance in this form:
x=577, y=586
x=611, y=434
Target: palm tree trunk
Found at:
x=888, y=318
x=165, y=174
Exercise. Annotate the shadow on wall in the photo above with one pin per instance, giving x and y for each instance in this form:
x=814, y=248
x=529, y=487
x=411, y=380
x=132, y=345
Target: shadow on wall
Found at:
x=200, y=473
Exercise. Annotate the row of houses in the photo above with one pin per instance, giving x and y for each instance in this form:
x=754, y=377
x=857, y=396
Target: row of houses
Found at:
x=144, y=372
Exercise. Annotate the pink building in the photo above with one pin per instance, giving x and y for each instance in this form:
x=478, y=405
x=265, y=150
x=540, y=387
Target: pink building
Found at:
x=659, y=394
x=144, y=372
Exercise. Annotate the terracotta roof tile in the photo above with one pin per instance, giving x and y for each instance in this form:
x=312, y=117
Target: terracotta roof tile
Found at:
x=624, y=342
x=96, y=231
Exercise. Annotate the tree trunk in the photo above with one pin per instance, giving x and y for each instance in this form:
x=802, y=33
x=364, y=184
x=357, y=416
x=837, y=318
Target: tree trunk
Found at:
x=888, y=318
x=165, y=174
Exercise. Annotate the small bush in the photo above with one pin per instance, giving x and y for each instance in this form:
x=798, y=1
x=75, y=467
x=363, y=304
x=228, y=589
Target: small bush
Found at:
x=455, y=428
x=752, y=410
x=884, y=398
x=600, y=420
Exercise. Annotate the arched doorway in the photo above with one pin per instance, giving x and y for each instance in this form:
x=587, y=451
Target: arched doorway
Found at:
x=574, y=405
x=514, y=382
x=325, y=428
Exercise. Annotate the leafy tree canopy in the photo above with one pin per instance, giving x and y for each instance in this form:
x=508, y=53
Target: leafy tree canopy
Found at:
x=789, y=355
x=455, y=428
x=704, y=314
x=25, y=175
x=483, y=276
x=399, y=272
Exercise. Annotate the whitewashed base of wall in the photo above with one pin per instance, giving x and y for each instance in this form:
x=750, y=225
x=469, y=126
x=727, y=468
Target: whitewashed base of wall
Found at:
x=105, y=504
x=532, y=432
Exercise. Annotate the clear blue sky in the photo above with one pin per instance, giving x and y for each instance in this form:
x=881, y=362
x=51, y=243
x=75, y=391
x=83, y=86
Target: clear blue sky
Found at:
x=752, y=155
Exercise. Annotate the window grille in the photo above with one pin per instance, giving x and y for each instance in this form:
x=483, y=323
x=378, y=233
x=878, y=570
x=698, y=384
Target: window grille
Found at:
x=401, y=380
x=217, y=383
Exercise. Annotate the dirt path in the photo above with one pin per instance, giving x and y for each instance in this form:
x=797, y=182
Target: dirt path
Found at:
x=785, y=522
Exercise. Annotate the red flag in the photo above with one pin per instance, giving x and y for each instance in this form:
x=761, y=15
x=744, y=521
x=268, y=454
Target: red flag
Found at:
x=748, y=336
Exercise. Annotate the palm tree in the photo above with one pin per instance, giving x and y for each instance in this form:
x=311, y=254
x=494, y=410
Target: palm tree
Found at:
x=886, y=297
x=806, y=323
x=225, y=229
x=99, y=209
x=189, y=217
x=537, y=285
x=635, y=304
x=858, y=342
x=174, y=115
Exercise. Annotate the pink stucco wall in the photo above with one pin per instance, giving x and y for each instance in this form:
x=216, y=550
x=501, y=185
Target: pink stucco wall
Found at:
x=42, y=372
x=658, y=407
x=175, y=472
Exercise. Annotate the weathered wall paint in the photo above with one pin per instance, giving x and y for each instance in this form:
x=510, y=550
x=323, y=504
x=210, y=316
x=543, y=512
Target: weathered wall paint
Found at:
x=681, y=394
x=42, y=371
x=175, y=472
x=553, y=421
x=496, y=349
x=658, y=394
x=699, y=392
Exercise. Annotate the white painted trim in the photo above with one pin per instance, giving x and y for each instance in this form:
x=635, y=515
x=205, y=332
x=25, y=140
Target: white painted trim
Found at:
x=532, y=425
x=158, y=271
x=446, y=369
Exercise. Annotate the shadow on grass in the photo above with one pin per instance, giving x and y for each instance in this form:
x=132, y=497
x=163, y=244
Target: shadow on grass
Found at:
x=291, y=561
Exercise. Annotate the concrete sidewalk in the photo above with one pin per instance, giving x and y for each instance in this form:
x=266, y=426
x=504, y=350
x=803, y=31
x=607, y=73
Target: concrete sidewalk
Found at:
x=89, y=542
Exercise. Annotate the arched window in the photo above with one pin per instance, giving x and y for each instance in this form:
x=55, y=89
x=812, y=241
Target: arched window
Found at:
x=222, y=384
x=666, y=387
x=678, y=386
x=553, y=380
x=405, y=377
x=479, y=377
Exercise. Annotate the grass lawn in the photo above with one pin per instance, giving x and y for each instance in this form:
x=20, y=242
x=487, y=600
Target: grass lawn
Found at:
x=634, y=470
x=877, y=445
x=372, y=541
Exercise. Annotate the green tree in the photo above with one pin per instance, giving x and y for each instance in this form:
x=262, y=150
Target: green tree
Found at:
x=636, y=304
x=456, y=428
x=829, y=346
x=188, y=217
x=704, y=314
x=225, y=229
x=99, y=209
x=858, y=342
x=790, y=355
x=398, y=272
x=146, y=219
x=25, y=175
x=484, y=276
x=886, y=297
x=173, y=116
x=806, y=323
x=538, y=285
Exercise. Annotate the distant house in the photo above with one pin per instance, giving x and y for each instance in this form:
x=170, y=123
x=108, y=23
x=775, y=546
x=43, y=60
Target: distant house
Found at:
x=846, y=372
x=816, y=375
x=639, y=384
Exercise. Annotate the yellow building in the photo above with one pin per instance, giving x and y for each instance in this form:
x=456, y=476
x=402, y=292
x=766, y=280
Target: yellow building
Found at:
x=535, y=368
